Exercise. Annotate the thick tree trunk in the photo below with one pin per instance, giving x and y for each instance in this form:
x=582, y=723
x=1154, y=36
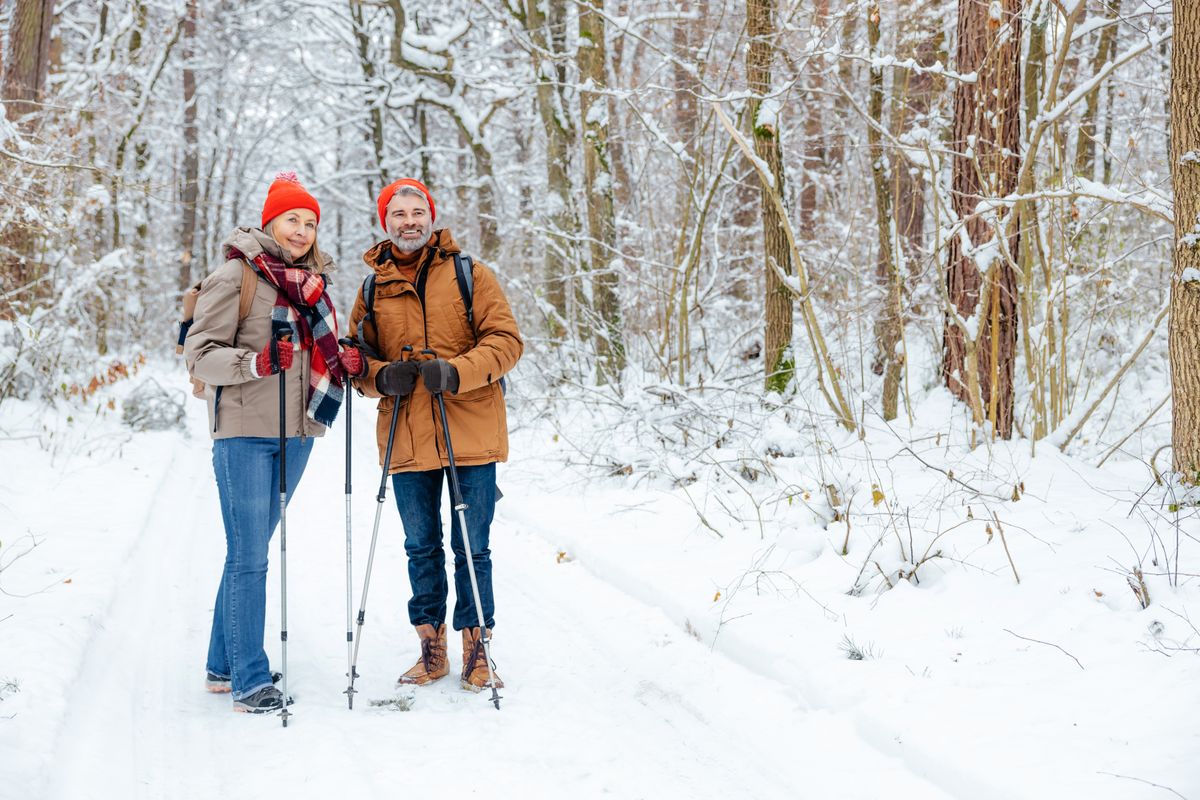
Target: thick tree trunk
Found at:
x=27, y=61
x=603, y=260
x=778, y=361
x=548, y=31
x=986, y=141
x=190, y=190
x=1184, y=336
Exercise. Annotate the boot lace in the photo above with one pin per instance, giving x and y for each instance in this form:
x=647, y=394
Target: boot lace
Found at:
x=478, y=658
x=431, y=649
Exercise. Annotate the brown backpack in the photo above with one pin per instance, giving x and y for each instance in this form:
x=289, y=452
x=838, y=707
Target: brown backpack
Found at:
x=245, y=300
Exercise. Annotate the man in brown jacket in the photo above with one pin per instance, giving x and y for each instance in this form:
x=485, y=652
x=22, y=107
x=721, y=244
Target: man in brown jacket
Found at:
x=418, y=307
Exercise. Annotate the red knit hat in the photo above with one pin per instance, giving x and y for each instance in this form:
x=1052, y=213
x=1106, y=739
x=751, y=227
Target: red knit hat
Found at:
x=285, y=194
x=385, y=197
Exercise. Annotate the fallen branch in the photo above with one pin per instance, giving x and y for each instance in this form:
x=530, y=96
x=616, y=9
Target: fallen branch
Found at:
x=1137, y=428
x=1115, y=379
x=1048, y=644
x=1142, y=780
x=1004, y=542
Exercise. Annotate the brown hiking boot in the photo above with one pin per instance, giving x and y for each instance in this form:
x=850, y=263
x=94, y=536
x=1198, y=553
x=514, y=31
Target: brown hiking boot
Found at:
x=433, y=663
x=475, y=667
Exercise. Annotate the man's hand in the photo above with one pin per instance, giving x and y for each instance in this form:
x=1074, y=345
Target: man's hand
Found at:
x=397, y=379
x=439, y=376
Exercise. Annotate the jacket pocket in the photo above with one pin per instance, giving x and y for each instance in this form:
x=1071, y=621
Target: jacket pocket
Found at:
x=475, y=423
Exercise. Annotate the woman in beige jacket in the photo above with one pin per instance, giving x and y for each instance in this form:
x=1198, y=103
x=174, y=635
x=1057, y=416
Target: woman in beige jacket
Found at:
x=291, y=328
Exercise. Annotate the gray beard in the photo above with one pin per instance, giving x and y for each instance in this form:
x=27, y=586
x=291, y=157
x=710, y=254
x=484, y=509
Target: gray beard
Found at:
x=406, y=246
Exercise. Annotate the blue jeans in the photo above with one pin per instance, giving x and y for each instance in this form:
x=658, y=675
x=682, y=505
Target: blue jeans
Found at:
x=419, y=496
x=247, y=470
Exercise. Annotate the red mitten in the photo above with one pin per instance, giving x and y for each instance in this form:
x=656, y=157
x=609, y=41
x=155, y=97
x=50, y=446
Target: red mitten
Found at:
x=265, y=365
x=353, y=362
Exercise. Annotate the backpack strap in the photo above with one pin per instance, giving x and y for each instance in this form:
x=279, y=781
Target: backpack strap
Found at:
x=368, y=296
x=464, y=273
x=249, y=284
x=245, y=301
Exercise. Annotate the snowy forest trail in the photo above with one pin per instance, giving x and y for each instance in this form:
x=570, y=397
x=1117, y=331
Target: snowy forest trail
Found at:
x=606, y=696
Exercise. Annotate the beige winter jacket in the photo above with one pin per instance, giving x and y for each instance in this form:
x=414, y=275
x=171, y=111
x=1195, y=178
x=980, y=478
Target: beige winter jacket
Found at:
x=219, y=350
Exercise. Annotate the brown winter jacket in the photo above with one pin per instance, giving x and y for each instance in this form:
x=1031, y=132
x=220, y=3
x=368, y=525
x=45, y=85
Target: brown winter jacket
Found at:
x=219, y=350
x=476, y=414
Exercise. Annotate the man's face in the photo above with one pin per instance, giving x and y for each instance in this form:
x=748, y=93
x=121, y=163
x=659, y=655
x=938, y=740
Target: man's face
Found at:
x=408, y=222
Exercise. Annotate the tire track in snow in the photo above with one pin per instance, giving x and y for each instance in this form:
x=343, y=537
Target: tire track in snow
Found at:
x=123, y=704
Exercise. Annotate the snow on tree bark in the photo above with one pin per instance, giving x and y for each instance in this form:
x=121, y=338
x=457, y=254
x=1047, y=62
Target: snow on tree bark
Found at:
x=980, y=280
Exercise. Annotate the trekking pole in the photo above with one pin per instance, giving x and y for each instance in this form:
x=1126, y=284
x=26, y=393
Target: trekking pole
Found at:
x=282, y=331
x=379, y=498
x=349, y=571
x=460, y=508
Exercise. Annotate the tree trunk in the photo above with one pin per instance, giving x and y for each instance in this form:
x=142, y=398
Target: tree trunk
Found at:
x=548, y=31
x=914, y=96
x=1085, y=143
x=986, y=140
x=28, y=56
x=1184, y=336
x=366, y=63
x=470, y=125
x=603, y=259
x=191, y=151
x=814, y=133
x=778, y=362
x=888, y=325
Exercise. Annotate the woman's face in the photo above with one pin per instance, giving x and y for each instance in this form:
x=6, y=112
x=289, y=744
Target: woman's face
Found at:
x=295, y=231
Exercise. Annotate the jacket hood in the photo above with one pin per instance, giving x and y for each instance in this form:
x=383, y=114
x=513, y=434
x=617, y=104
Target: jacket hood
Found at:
x=253, y=242
x=441, y=243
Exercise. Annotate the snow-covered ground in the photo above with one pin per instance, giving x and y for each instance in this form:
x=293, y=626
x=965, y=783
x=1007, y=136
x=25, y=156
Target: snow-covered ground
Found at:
x=659, y=639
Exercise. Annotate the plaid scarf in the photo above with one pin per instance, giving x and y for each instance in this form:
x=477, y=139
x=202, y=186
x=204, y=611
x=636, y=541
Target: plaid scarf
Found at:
x=314, y=326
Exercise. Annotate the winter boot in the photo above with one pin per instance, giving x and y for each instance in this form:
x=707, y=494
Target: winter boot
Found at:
x=475, y=667
x=264, y=701
x=433, y=663
x=218, y=685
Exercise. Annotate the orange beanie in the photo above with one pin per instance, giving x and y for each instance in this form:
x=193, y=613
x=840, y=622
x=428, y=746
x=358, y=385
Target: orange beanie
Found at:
x=285, y=194
x=385, y=197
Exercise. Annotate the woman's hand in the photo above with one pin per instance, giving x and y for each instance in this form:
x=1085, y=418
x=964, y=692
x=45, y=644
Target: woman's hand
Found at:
x=274, y=358
x=353, y=362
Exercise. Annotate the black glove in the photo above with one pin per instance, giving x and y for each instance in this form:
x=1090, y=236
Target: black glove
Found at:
x=397, y=379
x=440, y=376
